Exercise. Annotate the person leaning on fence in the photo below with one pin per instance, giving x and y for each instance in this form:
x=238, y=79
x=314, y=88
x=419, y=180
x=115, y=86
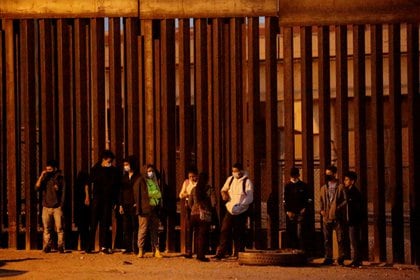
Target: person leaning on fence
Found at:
x=238, y=191
x=51, y=184
x=332, y=209
x=188, y=185
x=201, y=214
x=148, y=201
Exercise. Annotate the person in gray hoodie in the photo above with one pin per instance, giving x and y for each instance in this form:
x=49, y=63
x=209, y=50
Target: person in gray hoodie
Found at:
x=333, y=202
x=238, y=192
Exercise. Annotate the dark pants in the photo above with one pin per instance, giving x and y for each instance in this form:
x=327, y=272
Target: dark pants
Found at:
x=188, y=231
x=233, y=228
x=201, y=231
x=295, y=232
x=129, y=224
x=328, y=234
x=83, y=226
x=100, y=213
x=354, y=235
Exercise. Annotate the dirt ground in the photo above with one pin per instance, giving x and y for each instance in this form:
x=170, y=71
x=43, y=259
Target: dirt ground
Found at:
x=21, y=264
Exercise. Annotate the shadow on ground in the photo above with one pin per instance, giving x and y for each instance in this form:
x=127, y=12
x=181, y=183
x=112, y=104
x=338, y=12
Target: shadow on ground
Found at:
x=9, y=272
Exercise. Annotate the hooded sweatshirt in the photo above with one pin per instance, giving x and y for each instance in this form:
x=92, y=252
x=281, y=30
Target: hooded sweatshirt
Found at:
x=239, y=200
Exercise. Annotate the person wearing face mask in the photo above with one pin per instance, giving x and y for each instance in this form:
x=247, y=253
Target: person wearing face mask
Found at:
x=50, y=183
x=127, y=203
x=103, y=197
x=295, y=203
x=238, y=192
x=148, y=198
x=333, y=212
x=187, y=187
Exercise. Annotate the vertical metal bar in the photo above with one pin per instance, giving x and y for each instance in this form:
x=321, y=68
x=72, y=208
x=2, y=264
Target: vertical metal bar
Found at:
x=142, y=98
x=376, y=149
x=98, y=105
x=414, y=138
x=227, y=118
x=210, y=104
x=251, y=117
x=65, y=111
x=3, y=186
x=201, y=91
x=149, y=108
x=272, y=141
x=115, y=89
x=81, y=95
x=359, y=87
x=307, y=118
x=236, y=89
x=29, y=119
x=131, y=81
x=48, y=130
x=289, y=126
x=168, y=126
x=158, y=91
x=11, y=136
x=395, y=141
x=341, y=109
x=324, y=91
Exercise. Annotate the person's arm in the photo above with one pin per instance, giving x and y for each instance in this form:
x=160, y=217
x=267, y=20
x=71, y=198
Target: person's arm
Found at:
x=322, y=199
x=249, y=191
x=87, y=195
x=342, y=197
x=40, y=178
x=225, y=190
x=183, y=193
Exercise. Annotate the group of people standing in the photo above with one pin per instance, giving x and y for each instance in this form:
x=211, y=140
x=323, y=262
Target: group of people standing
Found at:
x=137, y=197
x=340, y=210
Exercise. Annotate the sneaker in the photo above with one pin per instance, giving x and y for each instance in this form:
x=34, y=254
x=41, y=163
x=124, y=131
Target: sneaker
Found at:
x=158, y=254
x=140, y=254
x=106, y=251
x=61, y=249
x=327, y=261
x=47, y=249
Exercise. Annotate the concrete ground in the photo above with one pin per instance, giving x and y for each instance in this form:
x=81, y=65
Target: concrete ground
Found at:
x=21, y=264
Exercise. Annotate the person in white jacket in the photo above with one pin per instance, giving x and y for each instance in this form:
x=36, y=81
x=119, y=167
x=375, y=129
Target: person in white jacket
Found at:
x=238, y=192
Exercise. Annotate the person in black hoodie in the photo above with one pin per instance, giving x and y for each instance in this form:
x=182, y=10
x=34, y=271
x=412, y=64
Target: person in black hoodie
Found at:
x=295, y=203
x=104, y=189
x=127, y=202
x=354, y=216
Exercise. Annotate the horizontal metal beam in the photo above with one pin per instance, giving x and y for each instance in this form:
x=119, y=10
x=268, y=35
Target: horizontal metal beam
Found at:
x=290, y=12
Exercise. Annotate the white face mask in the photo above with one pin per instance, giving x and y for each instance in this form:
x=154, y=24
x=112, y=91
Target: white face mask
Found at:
x=235, y=175
x=150, y=174
x=127, y=168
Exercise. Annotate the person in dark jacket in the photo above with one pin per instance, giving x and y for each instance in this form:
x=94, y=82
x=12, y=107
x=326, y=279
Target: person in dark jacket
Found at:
x=127, y=203
x=50, y=183
x=148, y=198
x=295, y=203
x=104, y=189
x=201, y=212
x=354, y=216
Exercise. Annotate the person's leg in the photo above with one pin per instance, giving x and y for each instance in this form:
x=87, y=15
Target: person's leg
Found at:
x=202, y=230
x=188, y=233
x=239, y=232
x=58, y=218
x=154, y=230
x=93, y=225
x=126, y=223
x=300, y=222
x=340, y=231
x=225, y=233
x=354, y=235
x=327, y=230
x=143, y=224
x=46, y=222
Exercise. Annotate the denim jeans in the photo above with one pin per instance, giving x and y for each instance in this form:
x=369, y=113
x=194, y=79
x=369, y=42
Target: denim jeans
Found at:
x=52, y=217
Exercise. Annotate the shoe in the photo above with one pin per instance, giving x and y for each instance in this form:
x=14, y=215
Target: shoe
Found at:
x=106, y=251
x=340, y=262
x=203, y=259
x=327, y=261
x=218, y=257
x=140, y=254
x=47, y=249
x=355, y=264
x=158, y=254
x=61, y=249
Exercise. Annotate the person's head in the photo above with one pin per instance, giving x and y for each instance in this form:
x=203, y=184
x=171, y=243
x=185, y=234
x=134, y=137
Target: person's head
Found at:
x=350, y=178
x=294, y=173
x=330, y=173
x=107, y=158
x=151, y=171
x=237, y=170
x=193, y=174
x=51, y=166
x=131, y=164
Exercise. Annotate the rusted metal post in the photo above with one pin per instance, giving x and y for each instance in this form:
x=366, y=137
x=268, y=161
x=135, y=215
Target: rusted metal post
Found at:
x=341, y=109
x=28, y=99
x=414, y=138
x=272, y=143
x=359, y=88
x=12, y=171
x=3, y=188
x=376, y=149
x=168, y=151
x=395, y=141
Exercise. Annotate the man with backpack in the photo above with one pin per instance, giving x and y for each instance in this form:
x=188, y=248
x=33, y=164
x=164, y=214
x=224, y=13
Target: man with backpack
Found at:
x=238, y=192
